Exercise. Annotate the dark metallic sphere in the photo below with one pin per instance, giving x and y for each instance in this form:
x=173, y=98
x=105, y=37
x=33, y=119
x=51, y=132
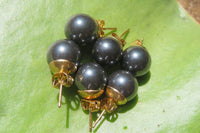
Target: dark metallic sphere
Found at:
x=90, y=76
x=107, y=51
x=137, y=60
x=82, y=29
x=125, y=83
x=64, y=49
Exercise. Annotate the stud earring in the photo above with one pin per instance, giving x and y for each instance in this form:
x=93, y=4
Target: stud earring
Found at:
x=83, y=29
x=136, y=59
x=90, y=80
x=109, y=50
x=63, y=57
x=121, y=88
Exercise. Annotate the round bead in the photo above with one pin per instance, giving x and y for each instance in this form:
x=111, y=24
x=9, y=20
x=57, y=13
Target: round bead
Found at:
x=64, y=49
x=82, y=29
x=137, y=60
x=107, y=51
x=90, y=76
x=125, y=83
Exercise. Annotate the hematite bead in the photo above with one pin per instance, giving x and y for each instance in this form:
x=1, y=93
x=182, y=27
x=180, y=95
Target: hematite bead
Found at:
x=107, y=51
x=137, y=60
x=64, y=49
x=124, y=82
x=90, y=76
x=82, y=29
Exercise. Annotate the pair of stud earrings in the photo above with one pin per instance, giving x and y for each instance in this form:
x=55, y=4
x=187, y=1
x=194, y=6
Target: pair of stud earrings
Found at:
x=121, y=86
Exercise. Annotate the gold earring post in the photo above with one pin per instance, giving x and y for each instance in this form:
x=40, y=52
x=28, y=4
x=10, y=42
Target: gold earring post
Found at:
x=101, y=24
x=124, y=33
x=123, y=42
x=109, y=28
x=99, y=118
x=60, y=95
x=90, y=121
x=137, y=42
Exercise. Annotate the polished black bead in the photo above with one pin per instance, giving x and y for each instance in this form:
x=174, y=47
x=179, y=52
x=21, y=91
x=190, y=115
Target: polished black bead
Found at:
x=137, y=60
x=82, y=29
x=107, y=51
x=125, y=83
x=90, y=76
x=64, y=49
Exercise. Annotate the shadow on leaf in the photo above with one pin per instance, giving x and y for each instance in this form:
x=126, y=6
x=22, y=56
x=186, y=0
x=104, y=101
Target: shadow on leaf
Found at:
x=72, y=101
x=112, y=117
x=110, y=32
x=128, y=106
x=142, y=80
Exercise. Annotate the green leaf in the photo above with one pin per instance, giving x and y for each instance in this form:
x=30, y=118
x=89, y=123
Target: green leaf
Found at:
x=168, y=102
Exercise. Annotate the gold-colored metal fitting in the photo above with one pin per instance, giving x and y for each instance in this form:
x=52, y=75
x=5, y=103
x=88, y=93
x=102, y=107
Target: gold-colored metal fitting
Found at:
x=61, y=65
x=113, y=93
x=101, y=24
x=92, y=105
x=91, y=94
x=137, y=42
x=108, y=104
x=61, y=70
x=101, y=28
x=122, y=41
x=62, y=78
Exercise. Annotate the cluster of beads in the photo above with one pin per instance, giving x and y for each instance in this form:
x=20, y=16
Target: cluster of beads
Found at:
x=121, y=86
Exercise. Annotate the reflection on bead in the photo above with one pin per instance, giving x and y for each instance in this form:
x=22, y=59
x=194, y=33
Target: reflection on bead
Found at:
x=82, y=29
x=124, y=82
x=137, y=60
x=90, y=76
x=64, y=49
x=107, y=51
